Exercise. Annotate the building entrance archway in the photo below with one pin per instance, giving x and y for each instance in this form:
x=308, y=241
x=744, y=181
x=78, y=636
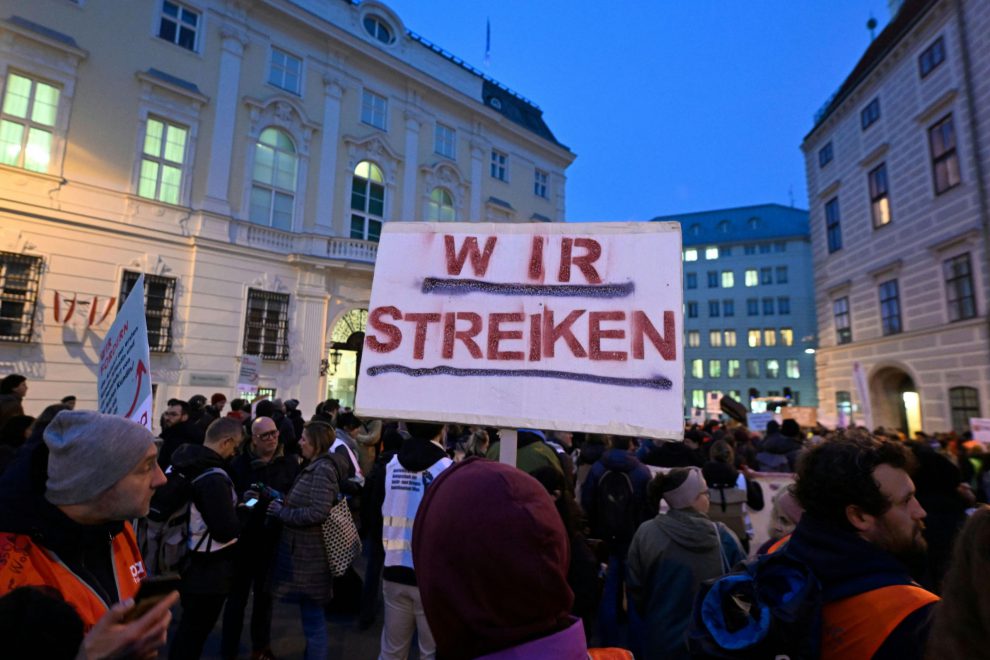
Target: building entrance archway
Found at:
x=344, y=356
x=896, y=400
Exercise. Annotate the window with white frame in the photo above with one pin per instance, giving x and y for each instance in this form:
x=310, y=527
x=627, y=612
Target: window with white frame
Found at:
x=159, y=303
x=163, y=156
x=499, y=165
x=792, y=369
x=374, y=109
x=540, y=183
x=179, y=24
x=367, y=201
x=728, y=279
x=694, y=338
x=19, y=278
x=751, y=277
x=730, y=337
x=715, y=338
x=445, y=141
x=441, y=206
x=285, y=71
x=378, y=28
x=266, y=327
x=27, y=122
x=273, y=189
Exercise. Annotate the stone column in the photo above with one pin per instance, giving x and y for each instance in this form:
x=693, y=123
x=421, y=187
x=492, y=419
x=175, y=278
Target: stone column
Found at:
x=477, y=171
x=413, y=123
x=311, y=316
x=224, y=119
x=327, y=176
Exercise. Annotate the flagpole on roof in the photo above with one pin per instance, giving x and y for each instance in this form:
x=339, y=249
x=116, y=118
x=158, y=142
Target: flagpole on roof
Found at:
x=488, y=42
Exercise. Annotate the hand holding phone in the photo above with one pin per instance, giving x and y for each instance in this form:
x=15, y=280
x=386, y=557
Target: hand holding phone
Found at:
x=251, y=502
x=150, y=592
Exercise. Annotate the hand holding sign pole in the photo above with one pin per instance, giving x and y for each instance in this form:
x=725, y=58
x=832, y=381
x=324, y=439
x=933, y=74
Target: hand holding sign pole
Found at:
x=556, y=327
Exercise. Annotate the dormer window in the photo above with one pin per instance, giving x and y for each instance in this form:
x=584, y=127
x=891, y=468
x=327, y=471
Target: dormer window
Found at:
x=378, y=29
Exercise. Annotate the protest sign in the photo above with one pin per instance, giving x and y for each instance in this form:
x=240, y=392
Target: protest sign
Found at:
x=981, y=430
x=806, y=416
x=124, y=382
x=550, y=326
x=713, y=404
x=247, y=378
x=758, y=421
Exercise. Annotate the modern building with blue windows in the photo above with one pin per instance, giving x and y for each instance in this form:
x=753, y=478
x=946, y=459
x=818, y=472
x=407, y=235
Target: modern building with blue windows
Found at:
x=749, y=305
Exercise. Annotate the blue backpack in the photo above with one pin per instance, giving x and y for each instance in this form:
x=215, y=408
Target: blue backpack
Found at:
x=771, y=608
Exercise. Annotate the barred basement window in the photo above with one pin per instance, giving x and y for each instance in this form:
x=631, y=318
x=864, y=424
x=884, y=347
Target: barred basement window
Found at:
x=19, y=276
x=159, y=302
x=266, y=329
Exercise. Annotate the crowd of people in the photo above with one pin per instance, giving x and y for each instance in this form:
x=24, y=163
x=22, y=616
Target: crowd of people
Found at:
x=593, y=545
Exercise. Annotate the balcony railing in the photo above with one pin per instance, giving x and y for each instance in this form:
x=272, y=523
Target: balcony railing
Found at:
x=287, y=242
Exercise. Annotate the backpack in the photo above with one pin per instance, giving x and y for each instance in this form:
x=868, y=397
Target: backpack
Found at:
x=616, y=518
x=771, y=608
x=164, y=534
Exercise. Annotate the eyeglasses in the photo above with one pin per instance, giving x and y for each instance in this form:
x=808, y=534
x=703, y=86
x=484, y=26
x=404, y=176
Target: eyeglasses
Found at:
x=266, y=434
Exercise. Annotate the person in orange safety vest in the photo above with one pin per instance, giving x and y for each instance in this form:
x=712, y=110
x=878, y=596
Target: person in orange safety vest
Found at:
x=64, y=507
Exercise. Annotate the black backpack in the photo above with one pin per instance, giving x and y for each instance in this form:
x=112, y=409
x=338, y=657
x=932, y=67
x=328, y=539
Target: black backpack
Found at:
x=616, y=517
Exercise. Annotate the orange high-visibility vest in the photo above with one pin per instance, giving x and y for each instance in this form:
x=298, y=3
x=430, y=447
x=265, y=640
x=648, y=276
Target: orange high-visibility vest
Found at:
x=779, y=544
x=24, y=564
x=856, y=627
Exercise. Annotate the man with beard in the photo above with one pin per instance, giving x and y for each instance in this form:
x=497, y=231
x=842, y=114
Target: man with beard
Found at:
x=861, y=529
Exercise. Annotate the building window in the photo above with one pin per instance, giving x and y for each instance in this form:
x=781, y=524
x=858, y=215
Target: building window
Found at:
x=445, y=141
x=724, y=226
x=843, y=325
x=27, y=123
x=691, y=254
x=273, y=190
x=768, y=306
x=499, y=165
x=713, y=279
x=751, y=278
x=870, y=114
x=879, y=197
x=162, y=157
x=787, y=337
x=692, y=310
x=733, y=369
x=784, y=305
x=773, y=368
x=931, y=57
x=713, y=308
x=540, y=183
x=753, y=338
x=792, y=370
x=378, y=29
x=728, y=279
x=714, y=368
x=695, y=229
x=697, y=368
x=374, y=109
x=890, y=308
x=945, y=159
x=178, y=24
x=266, y=329
x=781, y=274
x=691, y=280
x=730, y=337
x=728, y=308
x=780, y=246
x=159, y=298
x=698, y=399
x=965, y=404
x=753, y=369
x=367, y=201
x=726, y=251
x=766, y=275
x=286, y=71
x=19, y=276
x=694, y=338
x=769, y=337
x=832, y=229
x=749, y=248
x=752, y=307
x=825, y=155
x=715, y=338
x=441, y=206
x=711, y=253
x=843, y=404
x=959, y=287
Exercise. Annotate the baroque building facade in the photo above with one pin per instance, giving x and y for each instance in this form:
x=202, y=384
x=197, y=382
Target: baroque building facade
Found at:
x=897, y=165
x=243, y=155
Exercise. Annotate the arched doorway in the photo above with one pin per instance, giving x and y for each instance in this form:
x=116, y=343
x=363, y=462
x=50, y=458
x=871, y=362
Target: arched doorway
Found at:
x=344, y=357
x=896, y=400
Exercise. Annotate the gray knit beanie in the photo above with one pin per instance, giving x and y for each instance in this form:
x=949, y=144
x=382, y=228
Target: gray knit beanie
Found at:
x=89, y=452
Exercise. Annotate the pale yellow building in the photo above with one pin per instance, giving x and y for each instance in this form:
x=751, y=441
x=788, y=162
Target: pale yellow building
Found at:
x=243, y=155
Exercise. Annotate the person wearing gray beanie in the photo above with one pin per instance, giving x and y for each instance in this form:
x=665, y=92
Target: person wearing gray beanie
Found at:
x=89, y=452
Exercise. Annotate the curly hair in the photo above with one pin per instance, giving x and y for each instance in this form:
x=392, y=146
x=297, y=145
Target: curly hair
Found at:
x=835, y=474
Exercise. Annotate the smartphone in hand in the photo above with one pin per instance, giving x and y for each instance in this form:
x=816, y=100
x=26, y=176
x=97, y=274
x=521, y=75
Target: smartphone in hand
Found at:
x=150, y=592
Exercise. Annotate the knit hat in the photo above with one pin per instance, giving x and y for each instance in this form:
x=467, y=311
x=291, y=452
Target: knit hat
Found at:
x=508, y=583
x=217, y=397
x=684, y=495
x=89, y=452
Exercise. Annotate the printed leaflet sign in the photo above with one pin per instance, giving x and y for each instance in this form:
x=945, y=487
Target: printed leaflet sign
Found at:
x=124, y=382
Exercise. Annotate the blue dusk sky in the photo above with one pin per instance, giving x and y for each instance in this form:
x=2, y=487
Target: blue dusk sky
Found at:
x=671, y=106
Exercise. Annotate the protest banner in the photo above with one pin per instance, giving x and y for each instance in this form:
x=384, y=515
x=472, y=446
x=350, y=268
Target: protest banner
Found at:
x=806, y=416
x=980, y=428
x=247, y=378
x=124, y=381
x=713, y=404
x=549, y=326
x=758, y=421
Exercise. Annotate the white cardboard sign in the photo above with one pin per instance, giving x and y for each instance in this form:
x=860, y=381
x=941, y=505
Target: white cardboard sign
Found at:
x=552, y=326
x=981, y=429
x=124, y=381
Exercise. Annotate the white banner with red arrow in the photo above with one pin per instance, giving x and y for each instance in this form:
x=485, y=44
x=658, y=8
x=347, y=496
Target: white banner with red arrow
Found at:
x=124, y=381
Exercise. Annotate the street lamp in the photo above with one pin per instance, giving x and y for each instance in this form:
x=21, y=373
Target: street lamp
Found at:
x=334, y=362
